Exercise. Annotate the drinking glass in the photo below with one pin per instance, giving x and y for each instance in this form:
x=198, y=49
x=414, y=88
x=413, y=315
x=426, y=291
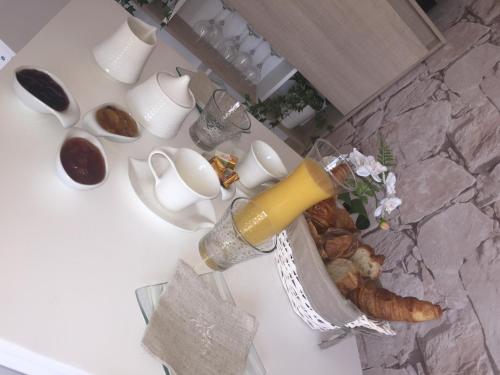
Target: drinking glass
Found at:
x=334, y=163
x=234, y=25
x=254, y=72
x=211, y=29
x=229, y=48
x=230, y=241
x=251, y=41
x=223, y=118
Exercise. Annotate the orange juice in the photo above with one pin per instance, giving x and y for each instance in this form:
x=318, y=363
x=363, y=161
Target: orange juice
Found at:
x=274, y=209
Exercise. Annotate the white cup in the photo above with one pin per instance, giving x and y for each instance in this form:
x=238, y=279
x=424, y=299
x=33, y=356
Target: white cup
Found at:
x=260, y=164
x=188, y=179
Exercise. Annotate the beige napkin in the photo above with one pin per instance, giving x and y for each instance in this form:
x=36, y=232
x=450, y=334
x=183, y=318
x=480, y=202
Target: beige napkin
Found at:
x=196, y=333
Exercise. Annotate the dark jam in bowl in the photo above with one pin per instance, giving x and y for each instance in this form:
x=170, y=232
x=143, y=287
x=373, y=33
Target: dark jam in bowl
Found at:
x=42, y=86
x=83, y=161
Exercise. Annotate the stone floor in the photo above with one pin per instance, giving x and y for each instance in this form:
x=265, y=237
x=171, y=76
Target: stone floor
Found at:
x=443, y=122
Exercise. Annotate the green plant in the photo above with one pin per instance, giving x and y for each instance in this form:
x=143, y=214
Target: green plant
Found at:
x=300, y=95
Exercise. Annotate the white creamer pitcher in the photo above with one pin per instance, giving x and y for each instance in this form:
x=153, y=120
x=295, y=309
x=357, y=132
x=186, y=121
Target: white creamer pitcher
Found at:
x=161, y=103
x=125, y=52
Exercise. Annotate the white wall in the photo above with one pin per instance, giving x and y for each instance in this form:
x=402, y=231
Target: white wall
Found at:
x=6, y=371
x=21, y=20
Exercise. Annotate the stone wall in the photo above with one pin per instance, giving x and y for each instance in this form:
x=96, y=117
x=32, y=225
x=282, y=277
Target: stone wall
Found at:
x=443, y=122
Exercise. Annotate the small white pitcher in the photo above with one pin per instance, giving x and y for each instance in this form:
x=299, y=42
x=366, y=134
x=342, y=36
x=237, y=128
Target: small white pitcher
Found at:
x=188, y=179
x=125, y=52
x=161, y=103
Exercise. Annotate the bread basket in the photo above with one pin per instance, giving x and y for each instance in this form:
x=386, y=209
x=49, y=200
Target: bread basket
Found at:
x=312, y=293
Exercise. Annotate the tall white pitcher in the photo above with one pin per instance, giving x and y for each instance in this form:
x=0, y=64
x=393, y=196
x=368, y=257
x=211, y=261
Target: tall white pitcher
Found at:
x=125, y=52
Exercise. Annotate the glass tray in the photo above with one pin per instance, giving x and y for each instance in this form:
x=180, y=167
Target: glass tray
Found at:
x=148, y=298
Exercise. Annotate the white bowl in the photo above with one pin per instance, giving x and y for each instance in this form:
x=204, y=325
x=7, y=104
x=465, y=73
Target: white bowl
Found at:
x=90, y=123
x=61, y=172
x=67, y=118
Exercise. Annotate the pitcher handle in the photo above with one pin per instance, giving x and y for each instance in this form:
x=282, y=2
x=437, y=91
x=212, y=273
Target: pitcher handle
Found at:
x=150, y=158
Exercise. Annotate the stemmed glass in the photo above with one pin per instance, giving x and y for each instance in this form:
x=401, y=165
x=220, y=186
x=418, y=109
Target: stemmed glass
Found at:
x=210, y=30
x=251, y=41
x=230, y=47
x=254, y=73
x=243, y=60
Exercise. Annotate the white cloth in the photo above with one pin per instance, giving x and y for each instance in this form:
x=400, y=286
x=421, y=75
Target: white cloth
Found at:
x=195, y=332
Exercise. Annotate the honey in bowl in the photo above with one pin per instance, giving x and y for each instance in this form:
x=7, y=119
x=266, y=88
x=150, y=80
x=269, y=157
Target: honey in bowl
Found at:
x=43, y=87
x=116, y=121
x=83, y=161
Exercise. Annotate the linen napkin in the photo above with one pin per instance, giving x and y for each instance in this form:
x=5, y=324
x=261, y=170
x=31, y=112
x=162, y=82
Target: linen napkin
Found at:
x=196, y=333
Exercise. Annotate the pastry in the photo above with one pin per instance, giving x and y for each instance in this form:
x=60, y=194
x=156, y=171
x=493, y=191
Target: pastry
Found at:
x=345, y=275
x=323, y=214
x=338, y=243
x=343, y=220
x=379, y=303
x=317, y=240
x=368, y=263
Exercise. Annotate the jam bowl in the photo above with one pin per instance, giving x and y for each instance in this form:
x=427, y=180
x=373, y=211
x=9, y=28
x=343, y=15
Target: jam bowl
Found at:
x=81, y=161
x=112, y=122
x=44, y=92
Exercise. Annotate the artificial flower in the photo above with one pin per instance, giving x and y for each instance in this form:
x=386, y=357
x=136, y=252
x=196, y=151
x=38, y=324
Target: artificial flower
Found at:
x=366, y=165
x=387, y=205
x=390, y=184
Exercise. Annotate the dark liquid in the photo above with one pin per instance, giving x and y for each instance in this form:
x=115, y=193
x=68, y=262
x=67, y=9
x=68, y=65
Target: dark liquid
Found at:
x=44, y=88
x=83, y=161
x=117, y=121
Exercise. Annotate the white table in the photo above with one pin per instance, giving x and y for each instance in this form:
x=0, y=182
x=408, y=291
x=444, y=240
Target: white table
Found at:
x=70, y=260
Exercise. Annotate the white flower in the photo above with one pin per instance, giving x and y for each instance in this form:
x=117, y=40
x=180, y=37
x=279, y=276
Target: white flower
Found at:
x=366, y=165
x=387, y=205
x=390, y=184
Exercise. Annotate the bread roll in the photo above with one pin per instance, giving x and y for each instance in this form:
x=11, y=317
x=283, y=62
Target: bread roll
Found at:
x=379, y=303
x=368, y=263
x=345, y=275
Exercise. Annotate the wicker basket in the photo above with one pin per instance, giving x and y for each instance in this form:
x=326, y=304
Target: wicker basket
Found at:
x=312, y=294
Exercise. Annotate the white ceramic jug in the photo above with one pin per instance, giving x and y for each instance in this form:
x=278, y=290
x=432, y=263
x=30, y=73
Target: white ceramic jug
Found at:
x=125, y=52
x=161, y=103
x=188, y=179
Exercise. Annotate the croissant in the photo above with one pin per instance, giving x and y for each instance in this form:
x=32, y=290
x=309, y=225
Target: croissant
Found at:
x=317, y=240
x=323, y=214
x=343, y=220
x=380, y=303
x=339, y=243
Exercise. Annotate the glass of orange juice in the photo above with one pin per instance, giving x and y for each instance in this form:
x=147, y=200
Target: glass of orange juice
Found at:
x=333, y=162
x=236, y=236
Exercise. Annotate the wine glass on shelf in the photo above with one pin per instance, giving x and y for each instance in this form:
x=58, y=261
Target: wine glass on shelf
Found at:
x=254, y=72
x=234, y=25
x=251, y=41
x=230, y=47
x=243, y=60
x=212, y=28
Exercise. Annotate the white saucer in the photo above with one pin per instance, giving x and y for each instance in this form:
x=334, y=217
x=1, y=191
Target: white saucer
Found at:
x=198, y=216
